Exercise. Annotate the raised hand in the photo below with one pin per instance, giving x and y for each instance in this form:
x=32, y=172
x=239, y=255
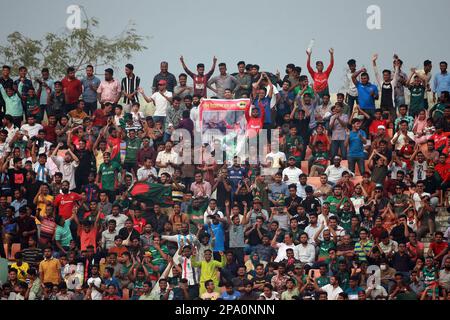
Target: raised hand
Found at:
x=375, y=57
x=331, y=51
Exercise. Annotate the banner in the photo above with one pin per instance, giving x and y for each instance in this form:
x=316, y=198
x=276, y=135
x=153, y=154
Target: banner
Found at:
x=224, y=120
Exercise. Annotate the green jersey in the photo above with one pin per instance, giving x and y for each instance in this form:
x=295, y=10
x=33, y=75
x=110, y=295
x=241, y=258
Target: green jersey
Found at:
x=334, y=202
x=417, y=102
x=132, y=148
x=108, y=172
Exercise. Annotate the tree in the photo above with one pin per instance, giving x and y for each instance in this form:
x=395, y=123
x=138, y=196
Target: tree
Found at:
x=77, y=48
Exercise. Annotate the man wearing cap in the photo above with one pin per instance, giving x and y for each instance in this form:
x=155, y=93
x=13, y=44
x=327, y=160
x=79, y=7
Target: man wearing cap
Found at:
x=162, y=99
x=109, y=89
x=291, y=174
x=334, y=171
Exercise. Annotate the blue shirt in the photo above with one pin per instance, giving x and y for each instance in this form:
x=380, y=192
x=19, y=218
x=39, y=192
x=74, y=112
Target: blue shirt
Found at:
x=264, y=102
x=235, y=175
x=234, y=296
x=219, y=233
x=441, y=82
x=90, y=95
x=366, y=101
x=355, y=144
x=51, y=84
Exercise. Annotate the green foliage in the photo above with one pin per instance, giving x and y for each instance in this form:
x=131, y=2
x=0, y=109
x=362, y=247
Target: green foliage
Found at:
x=77, y=48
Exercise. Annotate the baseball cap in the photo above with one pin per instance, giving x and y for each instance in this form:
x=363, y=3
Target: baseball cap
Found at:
x=162, y=82
x=297, y=265
x=382, y=127
x=292, y=157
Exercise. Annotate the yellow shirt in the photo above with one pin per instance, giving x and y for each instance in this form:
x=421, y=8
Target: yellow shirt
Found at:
x=50, y=270
x=42, y=204
x=21, y=270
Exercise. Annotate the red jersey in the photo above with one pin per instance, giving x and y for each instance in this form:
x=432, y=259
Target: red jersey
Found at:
x=320, y=79
x=440, y=139
x=443, y=170
x=101, y=118
x=50, y=133
x=72, y=90
x=373, y=129
x=65, y=203
x=139, y=224
x=254, y=124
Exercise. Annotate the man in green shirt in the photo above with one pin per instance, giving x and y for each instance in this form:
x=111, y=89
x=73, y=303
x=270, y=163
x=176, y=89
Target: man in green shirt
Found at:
x=336, y=200
x=417, y=98
x=13, y=103
x=132, y=148
x=294, y=145
x=159, y=254
x=63, y=236
x=107, y=175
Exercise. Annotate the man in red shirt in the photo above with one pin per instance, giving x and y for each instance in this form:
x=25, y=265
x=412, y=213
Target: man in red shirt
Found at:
x=320, y=78
x=443, y=168
x=200, y=79
x=72, y=89
x=50, y=129
x=376, y=123
x=100, y=117
x=65, y=202
x=440, y=138
x=438, y=248
x=255, y=120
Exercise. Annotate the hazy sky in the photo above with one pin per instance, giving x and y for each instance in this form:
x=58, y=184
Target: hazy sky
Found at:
x=270, y=33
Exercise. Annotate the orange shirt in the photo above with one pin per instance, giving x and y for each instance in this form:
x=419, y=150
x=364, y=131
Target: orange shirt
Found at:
x=88, y=238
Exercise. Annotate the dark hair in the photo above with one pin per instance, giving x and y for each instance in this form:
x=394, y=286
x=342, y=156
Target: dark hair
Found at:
x=351, y=62
x=70, y=69
x=222, y=64
x=240, y=63
x=129, y=66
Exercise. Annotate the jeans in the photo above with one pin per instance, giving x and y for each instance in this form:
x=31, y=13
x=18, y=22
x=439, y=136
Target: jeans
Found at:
x=399, y=100
x=351, y=100
x=90, y=107
x=352, y=164
x=335, y=146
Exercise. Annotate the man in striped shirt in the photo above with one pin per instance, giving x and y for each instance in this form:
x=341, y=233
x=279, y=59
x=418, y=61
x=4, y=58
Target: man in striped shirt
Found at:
x=363, y=246
x=130, y=84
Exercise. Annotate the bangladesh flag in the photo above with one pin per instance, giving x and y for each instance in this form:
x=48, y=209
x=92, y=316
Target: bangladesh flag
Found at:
x=152, y=193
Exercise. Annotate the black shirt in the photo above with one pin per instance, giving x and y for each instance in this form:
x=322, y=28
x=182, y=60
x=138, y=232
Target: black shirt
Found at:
x=16, y=178
x=253, y=237
x=297, y=201
x=401, y=263
x=431, y=185
x=311, y=204
x=398, y=234
x=157, y=222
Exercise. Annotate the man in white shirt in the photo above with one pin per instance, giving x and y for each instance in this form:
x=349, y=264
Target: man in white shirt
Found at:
x=9, y=127
x=147, y=173
x=167, y=160
x=334, y=171
x=94, y=283
x=291, y=174
x=313, y=227
x=333, y=289
x=31, y=128
x=210, y=211
x=66, y=165
x=288, y=243
x=116, y=215
x=305, y=251
x=162, y=99
x=402, y=136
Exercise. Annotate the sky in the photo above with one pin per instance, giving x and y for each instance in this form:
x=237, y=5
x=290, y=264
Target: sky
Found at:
x=269, y=33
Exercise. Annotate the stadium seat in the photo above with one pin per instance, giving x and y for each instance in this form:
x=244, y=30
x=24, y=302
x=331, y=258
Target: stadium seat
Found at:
x=5, y=247
x=314, y=181
x=125, y=294
x=304, y=167
x=14, y=249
